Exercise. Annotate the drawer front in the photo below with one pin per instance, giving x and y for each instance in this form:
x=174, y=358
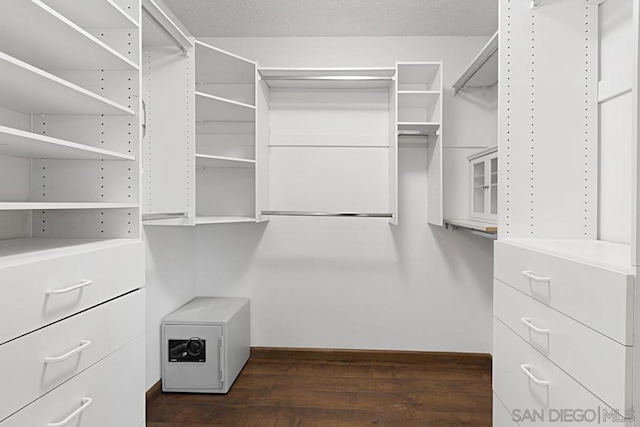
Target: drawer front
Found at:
x=531, y=403
x=598, y=297
x=501, y=415
x=85, y=338
x=574, y=347
x=110, y=393
x=23, y=289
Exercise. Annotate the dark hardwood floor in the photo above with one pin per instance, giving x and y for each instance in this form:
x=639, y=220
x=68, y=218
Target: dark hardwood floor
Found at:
x=340, y=388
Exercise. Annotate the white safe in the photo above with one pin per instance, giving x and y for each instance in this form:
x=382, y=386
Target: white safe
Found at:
x=205, y=345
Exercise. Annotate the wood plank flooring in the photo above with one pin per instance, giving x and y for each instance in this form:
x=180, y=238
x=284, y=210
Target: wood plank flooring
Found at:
x=340, y=388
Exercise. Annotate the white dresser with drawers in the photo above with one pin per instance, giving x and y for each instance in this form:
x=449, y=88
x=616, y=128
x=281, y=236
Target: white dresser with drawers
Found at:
x=563, y=332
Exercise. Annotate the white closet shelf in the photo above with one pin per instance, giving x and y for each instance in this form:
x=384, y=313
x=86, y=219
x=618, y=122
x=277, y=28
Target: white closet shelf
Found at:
x=49, y=40
x=223, y=162
x=26, y=250
x=100, y=14
x=483, y=70
x=417, y=98
x=30, y=90
x=215, y=65
x=45, y=206
x=417, y=128
x=215, y=108
x=202, y=220
x=328, y=78
x=616, y=256
x=19, y=143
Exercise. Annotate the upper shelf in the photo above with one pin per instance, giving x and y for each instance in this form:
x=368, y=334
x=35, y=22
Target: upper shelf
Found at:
x=35, y=33
x=328, y=78
x=214, y=108
x=19, y=143
x=30, y=90
x=215, y=65
x=483, y=70
x=21, y=206
x=94, y=13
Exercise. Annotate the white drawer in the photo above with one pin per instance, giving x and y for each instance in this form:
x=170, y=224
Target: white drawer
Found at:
x=98, y=332
x=512, y=356
x=501, y=415
x=115, y=387
x=575, y=348
x=600, y=298
x=23, y=288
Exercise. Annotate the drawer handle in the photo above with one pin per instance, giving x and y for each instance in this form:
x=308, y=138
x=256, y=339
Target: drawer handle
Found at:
x=84, y=344
x=527, y=322
x=527, y=273
x=86, y=402
x=525, y=368
x=70, y=288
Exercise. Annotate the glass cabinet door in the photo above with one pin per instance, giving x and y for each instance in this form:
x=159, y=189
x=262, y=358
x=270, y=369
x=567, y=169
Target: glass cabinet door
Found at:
x=478, y=170
x=493, y=197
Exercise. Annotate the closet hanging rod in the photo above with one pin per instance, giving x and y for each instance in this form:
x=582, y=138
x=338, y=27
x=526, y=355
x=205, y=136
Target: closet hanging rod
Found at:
x=332, y=78
x=155, y=14
x=487, y=52
x=328, y=214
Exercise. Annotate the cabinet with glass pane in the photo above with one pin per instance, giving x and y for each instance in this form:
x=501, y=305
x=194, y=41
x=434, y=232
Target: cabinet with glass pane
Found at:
x=483, y=172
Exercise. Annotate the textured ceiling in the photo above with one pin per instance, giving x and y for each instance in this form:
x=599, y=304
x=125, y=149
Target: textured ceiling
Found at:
x=264, y=18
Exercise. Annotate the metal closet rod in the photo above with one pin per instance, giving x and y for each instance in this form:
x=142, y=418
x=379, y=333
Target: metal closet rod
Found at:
x=330, y=78
x=329, y=214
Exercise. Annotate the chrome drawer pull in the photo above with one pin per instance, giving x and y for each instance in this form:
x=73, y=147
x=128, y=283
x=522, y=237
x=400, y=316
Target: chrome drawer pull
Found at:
x=86, y=402
x=525, y=369
x=528, y=324
x=83, y=346
x=527, y=273
x=70, y=288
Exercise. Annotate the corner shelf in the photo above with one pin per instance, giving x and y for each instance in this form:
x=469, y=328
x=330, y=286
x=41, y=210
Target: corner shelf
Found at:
x=52, y=41
x=215, y=65
x=483, y=70
x=19, y=143
x=30, y=90
x=215, y=108
x=205, y=160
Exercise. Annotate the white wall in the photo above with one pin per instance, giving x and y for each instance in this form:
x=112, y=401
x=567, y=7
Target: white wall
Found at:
x=170, y=267
x=361, y=283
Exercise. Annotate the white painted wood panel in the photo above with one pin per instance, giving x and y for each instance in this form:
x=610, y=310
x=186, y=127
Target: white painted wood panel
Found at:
x=599, y=297
x=574, y=347
x=112, y=272
x=115, y=386
x=31, y=376
x=521, y=394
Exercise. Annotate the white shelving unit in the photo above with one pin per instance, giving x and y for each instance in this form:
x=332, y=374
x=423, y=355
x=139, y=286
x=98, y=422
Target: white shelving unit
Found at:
x=419, y=121
x=225, y=86
x=71, y=252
